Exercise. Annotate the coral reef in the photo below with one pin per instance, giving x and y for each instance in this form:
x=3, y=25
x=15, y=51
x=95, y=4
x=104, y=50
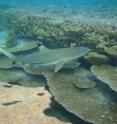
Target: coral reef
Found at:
x=57, y=31
x=6, y=63
x=107, y=74
x=88, y=95
x=82, y=80
x=23, y=46
x=96, y=105
x=18, y=77
x=93, y=39
x=3, y=36
x=11, y=39
x=112, y=51
x=96, y=58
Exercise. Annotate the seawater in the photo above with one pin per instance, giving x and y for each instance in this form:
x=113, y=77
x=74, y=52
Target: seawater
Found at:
x=25, y=25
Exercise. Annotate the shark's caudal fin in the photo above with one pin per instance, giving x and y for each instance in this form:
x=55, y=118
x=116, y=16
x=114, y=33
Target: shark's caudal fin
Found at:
x=8, y=54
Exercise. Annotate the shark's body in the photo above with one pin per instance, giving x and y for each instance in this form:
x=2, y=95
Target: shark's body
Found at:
x=49, y=57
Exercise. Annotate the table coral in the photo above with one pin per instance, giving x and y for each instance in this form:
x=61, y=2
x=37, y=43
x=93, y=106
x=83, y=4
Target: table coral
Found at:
x=18, y=77
x=96, y=105
x=107, y=74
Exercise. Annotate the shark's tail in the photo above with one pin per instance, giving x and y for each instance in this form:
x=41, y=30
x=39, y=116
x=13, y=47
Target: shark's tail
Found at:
x=8, y=54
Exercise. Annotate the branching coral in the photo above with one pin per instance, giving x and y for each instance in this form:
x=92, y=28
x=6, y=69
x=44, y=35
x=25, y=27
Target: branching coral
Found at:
x=57, y=30
x=112, y=51
x=96, y=58
x=10, y=39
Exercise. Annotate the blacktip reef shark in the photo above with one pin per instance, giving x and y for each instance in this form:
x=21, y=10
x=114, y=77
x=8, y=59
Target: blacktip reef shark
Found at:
x=45, y=57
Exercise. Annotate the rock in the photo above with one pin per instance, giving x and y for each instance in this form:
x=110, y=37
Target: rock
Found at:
x=20, y=105
x=107, y=74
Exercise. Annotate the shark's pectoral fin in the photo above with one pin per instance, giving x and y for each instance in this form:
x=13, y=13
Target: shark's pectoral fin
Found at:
x=59, y=65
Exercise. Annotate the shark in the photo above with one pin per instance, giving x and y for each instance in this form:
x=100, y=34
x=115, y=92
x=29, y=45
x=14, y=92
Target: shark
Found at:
x=46, y=57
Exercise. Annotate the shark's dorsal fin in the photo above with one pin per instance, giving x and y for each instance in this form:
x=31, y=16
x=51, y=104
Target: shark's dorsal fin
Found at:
x=9, y=55
x=59, y=65
x=43, y=48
